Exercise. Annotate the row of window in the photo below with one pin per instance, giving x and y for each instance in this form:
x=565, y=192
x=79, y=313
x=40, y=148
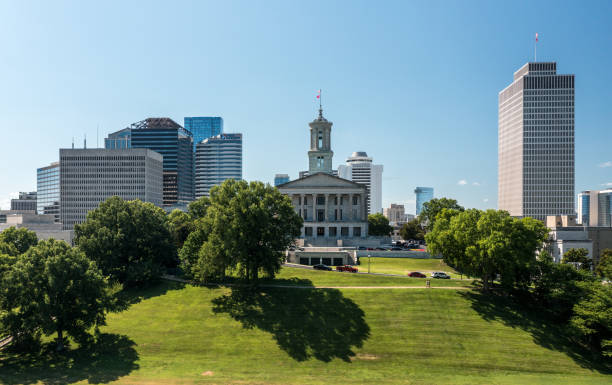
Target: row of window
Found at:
x=332, y=231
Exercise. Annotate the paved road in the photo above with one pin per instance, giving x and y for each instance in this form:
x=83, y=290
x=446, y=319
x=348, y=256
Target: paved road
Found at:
x=296, y=266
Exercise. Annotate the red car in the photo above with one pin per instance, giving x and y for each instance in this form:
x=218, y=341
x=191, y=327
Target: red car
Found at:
x=416, y=274
x=348, y=268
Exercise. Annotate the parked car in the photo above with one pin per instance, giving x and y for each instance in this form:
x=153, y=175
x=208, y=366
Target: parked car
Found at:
x=395, y=248
x=321, y=266
x=348, y=268
x=440, y=275
x=370, y=248
x=362, y=248
x=417, y=274
x=380, y=248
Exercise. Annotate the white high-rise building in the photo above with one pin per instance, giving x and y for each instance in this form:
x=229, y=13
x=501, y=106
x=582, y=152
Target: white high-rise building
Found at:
x=359, y=168
x=536, y=143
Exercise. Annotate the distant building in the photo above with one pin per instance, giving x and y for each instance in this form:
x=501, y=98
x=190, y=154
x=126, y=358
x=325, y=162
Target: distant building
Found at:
x=26, y=201
x=536, y=143
x=567, y=234
x=595, y=208
x=203, y=127
x=44, y=226
x=217, y=159
x=423, y=194
x=175, y=144
x=90, y=176
x=280, y=179
x=119, y=139
x=359, y=168
x=395, y=213
x=48, y=190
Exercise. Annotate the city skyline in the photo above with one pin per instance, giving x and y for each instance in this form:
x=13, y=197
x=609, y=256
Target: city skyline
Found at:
x=370, y=91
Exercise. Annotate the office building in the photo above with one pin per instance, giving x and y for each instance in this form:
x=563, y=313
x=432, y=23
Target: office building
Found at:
x=536, y=143
x=359, y=168
x=566, y=234
x=119, y=139
x=595, y=208
x=43, y=225
x=395, y=213
x=48, y=190
x=217, y=159
x=423, y=194
x=280, y=179
x=203, y=127
x=90, y=176
x=26, y=201
x=175, y=144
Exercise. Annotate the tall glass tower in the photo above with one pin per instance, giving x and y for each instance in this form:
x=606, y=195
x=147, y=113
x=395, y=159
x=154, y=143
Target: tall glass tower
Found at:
x=423, y=194
x=202, y=127
x=175, y=144
x=217, y=159
x=536, y=143
x=48, y=190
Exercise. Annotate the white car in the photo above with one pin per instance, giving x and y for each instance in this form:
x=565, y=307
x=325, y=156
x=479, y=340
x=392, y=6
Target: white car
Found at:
x=440, y=275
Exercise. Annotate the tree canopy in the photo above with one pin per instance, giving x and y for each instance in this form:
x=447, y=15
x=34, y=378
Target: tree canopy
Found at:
x=486, y=243
x=580, y=256
x=129, y=240
x=21, y=238
x=53, y=288
x=432, y=208
x=604, y=266
x=378, y=225
x=247, y=227
x=412, y=230
x=181, y=225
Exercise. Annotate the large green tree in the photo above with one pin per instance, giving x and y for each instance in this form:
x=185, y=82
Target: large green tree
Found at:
x=412, y=230
x=580, y=256
x=181, y=225
x=486, y=243
x=197, y=209
x=129, y=240
x=604, y=266
x=592, y=317
x=432, y=208
x=378, y=225
x=247, y=227
x=21, y=238
x=53, y=288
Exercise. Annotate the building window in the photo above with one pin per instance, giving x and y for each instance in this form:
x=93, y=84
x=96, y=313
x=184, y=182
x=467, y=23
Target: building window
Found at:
x=305, y=201
x=305, y=214
x=320, y=231
x=356, y=231
x=332, y=232
x=320, y=162
x=340, y=214
x=320, y=140
x=335, y=214
x=344, y=231
x=320, y=215
x=320, y=200
x=355, y=199
x=308, y=231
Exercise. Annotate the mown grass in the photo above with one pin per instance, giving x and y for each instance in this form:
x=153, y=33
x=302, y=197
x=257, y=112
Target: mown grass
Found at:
x=175, y=334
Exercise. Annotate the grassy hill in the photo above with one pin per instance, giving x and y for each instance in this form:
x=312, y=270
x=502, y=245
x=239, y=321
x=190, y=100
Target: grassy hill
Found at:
x=180, y=334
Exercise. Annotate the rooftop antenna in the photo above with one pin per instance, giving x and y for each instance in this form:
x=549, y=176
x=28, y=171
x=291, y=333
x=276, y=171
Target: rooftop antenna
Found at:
x=535, y=49
x=73, y=142
x=85, y=141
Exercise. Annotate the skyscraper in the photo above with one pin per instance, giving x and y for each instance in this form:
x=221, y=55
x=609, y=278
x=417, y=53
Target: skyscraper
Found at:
x=202, y=127
x=48, y=190
x=217, y=159
x=359, y=168
x=536, y=143
x=280, y=179
x=175, y=144
x=423, y=194
x=119, y=139
x=595, y=208
x=90, y=176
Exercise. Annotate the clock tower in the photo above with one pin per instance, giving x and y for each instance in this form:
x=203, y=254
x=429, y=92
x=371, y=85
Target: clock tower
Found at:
x=320, y=153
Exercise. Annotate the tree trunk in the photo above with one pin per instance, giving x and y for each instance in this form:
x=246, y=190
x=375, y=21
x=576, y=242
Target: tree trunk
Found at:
x=60, y=339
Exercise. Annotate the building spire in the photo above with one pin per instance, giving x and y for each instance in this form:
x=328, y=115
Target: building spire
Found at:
x=320, y=104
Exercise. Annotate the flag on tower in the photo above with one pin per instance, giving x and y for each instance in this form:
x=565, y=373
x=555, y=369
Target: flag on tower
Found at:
x=319, y=94
x=536, y=37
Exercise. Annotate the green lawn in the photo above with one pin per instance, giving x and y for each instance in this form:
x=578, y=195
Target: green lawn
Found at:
x=403, y=266
x=179, y=334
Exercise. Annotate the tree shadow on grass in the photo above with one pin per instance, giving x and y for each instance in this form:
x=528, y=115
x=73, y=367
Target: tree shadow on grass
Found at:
x=319, y=323
x=112, y=356
x=545, y=332
x=132, y=296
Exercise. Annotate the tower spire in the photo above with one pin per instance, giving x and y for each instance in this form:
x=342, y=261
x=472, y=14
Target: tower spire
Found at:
x=320, y=104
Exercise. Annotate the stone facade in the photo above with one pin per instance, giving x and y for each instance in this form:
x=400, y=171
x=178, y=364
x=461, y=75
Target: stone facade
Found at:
x=332, y=208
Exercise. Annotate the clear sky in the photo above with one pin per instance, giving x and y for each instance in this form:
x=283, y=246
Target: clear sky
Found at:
x=414, y=84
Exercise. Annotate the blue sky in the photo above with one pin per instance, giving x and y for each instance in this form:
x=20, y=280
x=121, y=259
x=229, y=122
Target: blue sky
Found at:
x=414, y=84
